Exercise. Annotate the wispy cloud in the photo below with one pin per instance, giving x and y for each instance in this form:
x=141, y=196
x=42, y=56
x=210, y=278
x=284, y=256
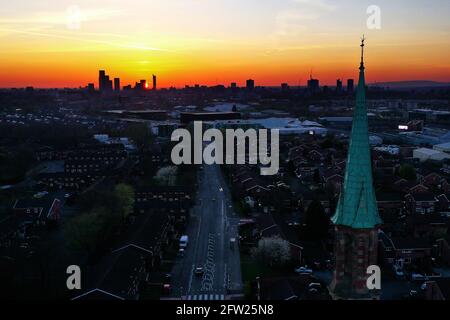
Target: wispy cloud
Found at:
x=295, y=21
x=60, y=18
x=54, y=25
x=84, y=39
x=318, y=4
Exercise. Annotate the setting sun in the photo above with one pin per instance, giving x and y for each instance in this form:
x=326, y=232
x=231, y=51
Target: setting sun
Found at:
x=209, y=42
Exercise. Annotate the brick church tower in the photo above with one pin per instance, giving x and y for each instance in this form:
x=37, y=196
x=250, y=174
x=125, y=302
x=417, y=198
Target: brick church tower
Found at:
x=356, y=218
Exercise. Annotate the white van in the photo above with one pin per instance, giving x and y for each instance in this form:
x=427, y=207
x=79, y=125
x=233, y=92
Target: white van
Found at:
x=184, y=241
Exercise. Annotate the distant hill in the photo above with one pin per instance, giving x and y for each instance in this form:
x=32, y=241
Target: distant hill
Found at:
x=410, y=84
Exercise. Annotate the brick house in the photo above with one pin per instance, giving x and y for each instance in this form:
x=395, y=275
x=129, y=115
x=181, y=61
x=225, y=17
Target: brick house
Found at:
x=438, y=289
x=421, y=203
x=38, y=211
x=405, y=249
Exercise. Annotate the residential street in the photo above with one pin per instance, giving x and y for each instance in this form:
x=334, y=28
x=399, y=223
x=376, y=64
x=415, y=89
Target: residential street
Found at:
x=212, y=224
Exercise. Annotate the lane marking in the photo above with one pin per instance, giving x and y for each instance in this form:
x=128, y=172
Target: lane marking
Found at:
x=190, y=278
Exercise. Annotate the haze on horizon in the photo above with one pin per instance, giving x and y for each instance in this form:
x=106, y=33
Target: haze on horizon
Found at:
x=63, y=43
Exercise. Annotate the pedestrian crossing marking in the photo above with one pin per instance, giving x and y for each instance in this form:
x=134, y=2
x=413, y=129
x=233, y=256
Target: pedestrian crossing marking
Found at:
x=206, y=297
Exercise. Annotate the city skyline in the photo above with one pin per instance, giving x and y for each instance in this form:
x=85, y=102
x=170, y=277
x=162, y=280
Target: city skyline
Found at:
x=248, y=196
x=217, y=42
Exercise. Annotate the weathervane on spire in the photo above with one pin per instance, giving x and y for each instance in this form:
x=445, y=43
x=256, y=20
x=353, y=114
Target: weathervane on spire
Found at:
x=362, y=52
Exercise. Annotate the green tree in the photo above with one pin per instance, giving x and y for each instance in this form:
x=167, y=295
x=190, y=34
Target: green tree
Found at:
x=140, y=133
x=124, y=198
x=291, y=167
x=242, y=207
x=167, y=175
x=15, y=165
x=316, y=175
x=104, y=216
x=407, y=172
x=83, y=232
x=316, y=220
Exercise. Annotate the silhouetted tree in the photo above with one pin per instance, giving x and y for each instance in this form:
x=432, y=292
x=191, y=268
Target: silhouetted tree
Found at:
x=316, y=220
x=140, y=133
x=316, y=175
x=291, y=167
x=407, y=172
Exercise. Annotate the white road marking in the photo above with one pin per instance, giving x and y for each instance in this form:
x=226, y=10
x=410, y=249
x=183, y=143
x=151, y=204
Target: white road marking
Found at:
x=206, y=297
x=225, y=276
x=190, y=279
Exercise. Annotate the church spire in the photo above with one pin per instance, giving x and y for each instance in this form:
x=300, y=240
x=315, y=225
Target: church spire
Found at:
x=361, y=67
x=357, y=206
x=356, y=218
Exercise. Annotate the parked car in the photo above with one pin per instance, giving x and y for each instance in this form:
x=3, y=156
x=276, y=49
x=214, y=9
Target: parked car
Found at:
x=24, y=245
x=232, y=243
x=418, y=277
x=315, y=285
x=184, y=239
x=199, y=271
x=40, y=194
x=303, y=270
x=167, y=288
x=317, y=265
x=167, y=278
x=398, y=272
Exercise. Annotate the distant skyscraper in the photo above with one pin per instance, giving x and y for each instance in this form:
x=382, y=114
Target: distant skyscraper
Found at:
x=356, y=218
x=104, y=83
x=339, y=85
x=143, y=84
x=91, y=88
x=108, y=85
x=233, y=85
x=250, y=84
x=313, y=85
x=101, y=80
x=154, y=82
x=350, y=85
x=116, y=84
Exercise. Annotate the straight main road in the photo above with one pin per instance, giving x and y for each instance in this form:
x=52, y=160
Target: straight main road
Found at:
x=211, y=226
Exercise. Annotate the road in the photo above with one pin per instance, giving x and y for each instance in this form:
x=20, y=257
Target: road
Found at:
x=211, y=226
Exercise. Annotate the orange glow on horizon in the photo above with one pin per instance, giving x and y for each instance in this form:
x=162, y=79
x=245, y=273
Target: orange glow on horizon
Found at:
x=213, y=66
x=190, y=42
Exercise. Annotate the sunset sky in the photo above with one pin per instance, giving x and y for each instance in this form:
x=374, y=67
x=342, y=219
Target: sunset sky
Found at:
x=59, y=43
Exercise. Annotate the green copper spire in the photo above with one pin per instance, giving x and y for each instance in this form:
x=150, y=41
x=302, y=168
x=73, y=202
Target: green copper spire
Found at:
x=357, y=206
